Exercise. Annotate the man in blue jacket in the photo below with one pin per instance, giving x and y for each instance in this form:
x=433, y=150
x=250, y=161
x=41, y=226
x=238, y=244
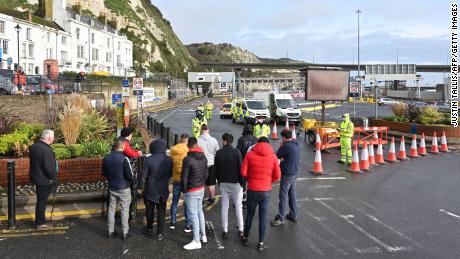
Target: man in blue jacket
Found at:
x=289, y=154
x=117, y=169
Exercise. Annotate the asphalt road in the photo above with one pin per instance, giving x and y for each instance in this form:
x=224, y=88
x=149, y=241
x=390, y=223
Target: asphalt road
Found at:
x=403, y=210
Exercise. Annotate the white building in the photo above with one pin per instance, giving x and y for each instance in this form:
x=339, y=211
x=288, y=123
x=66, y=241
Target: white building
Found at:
x=74, y=42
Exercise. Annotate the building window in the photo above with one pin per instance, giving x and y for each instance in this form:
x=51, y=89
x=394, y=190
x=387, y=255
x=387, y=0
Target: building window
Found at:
x=95, y=54
x=49, y=53
x=119, y=61
x=28, y=33
x=108, y=42
x=2, y=26
x=48, y=36
x=30, y=69
x=64, y=40
x=109, y=70
x=5, y=46
x=119, y=46
x=24, y=50
x=78, y=66
x=77, y=33
x=63, y=57
x=108, y=57
x=31, y=51
x=80, y=52
x=92, y=38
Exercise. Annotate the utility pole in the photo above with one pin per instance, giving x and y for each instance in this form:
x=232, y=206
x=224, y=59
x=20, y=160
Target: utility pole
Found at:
x=359, y=65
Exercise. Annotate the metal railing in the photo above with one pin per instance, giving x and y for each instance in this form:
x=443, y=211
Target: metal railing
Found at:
x=159, y=130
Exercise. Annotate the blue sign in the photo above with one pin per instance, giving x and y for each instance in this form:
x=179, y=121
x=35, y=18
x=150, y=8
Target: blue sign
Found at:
x=9, y=61
x=50, y=91
x=116, y=98
x=1, y=54
x=125, y=82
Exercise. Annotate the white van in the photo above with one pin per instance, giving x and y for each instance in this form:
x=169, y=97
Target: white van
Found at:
x=246, y=110
x=281, y=106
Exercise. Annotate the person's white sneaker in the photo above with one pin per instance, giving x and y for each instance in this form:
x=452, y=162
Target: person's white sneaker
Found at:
x=204, y=239
x=193, y=245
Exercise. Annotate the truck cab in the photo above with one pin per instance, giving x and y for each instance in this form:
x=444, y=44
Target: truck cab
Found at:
x=246, y=110
x=282, y=107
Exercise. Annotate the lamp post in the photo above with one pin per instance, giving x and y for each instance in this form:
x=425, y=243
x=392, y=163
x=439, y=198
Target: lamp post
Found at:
x=359, y=66
x=18, y=29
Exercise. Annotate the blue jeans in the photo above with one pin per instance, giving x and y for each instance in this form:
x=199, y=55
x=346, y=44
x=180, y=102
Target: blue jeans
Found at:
x=287, y=196
x=194, y=202
x=257, y=198
x=175, y=201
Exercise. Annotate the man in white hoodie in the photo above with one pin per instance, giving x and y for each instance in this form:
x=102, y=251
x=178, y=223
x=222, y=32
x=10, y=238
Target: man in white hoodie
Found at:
x=210, y=146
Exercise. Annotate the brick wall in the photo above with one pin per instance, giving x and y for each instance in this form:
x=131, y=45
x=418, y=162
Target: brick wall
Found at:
x=72, y=170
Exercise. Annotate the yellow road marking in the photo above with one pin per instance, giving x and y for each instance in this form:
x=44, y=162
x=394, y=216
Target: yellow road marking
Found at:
x=6, y=231
x=308, y=109
x=41, y=233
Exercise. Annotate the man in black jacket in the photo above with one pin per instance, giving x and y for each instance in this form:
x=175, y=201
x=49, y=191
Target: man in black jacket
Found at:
x=43, y=173
x=154, y=179
x=117, y=169
x=193, y=177
x=246, y=141
x=228, y=165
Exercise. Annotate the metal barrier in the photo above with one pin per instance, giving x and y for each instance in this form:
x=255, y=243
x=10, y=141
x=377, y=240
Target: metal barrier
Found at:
x=11, y=194
x=159, y=130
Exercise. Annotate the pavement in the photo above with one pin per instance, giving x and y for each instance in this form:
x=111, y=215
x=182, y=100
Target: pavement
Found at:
x=403, y=210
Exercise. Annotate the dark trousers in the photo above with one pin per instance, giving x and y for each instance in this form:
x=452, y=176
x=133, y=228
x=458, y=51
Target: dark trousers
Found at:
x=287, y=196
x=43, y=192
x=150, y=211
x=261, y=199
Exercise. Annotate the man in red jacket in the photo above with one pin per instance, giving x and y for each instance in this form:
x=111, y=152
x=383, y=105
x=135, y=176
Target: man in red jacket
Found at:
x=261, y=169
x=126, y=135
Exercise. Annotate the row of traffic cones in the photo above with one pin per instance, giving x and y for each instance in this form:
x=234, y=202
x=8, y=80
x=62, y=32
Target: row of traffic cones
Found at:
x=369, y=160
x=275, y=130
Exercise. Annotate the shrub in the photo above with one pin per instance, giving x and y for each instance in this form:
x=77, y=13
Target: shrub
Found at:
x=50, y=117
x=79, y=102
x=413, y=112
x=8, y=119
x=445, y=119
x=110, y=113
x=58, y=145
x=8, y=142
x=33, y=131
x=429, y=115
x=62, y=153
x=71, y=119
x=96, y=148
x=399, y=109
x=93, y=126
x=76, y=150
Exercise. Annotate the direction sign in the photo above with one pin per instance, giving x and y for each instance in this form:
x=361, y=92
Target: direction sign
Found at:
x=125, y=91
x=354, y=89
x=125, y=82
x=138, y=86
x=9, y=61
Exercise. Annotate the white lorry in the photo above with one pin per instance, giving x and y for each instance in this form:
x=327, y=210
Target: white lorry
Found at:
x=281, y=106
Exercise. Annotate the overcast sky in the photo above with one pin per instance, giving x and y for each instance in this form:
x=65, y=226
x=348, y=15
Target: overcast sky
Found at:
x=325, y=30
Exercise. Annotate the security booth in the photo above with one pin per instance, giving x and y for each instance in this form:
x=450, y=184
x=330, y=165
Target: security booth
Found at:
x=211, y=82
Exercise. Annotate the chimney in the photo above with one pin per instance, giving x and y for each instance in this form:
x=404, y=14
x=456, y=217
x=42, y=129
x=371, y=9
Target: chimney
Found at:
x=29, y=16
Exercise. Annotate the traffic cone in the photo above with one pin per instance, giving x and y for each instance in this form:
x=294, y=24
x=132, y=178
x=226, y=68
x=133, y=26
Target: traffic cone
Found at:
x=364, y=162
x=294, y=134
x=392, y=152
x=402, y=150
x=413, y=148
x=354, y=168
x=375, y=138
x=318, y=164
x=379, y=157
x=371, y=155
x=287, y=124
x=444, y=147
x=422, y=148
x=434, y=145
x=274, y=131
x=318, y=141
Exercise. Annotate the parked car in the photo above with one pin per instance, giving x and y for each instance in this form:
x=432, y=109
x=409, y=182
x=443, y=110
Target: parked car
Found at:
x=6, y=85
x=39, y=84
x=442, y=107
x=419, y=104
x=225, y=111
x=386, y=101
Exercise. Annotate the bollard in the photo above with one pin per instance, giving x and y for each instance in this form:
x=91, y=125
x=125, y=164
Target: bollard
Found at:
x=162, y=131
x=176, y=139
x=11, y=194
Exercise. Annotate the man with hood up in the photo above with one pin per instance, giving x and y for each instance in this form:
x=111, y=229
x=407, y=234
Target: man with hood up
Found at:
x=154, y=180
x=346, y=130
x=210, y=146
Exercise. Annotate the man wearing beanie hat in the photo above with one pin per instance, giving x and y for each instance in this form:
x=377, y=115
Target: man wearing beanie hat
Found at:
x=126, y=135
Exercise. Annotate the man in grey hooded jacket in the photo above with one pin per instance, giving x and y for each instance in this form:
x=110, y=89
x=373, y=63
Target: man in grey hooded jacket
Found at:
x=210, y=146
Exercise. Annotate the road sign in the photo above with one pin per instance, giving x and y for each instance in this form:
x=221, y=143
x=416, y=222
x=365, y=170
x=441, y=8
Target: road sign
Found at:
x=354, y=89
x=9, y=61
x=125, y=82
x=138, y=86
x=125, y=91
x=117, y=98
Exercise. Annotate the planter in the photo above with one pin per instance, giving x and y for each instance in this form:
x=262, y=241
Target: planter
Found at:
x=82, y=170
x=451, y=132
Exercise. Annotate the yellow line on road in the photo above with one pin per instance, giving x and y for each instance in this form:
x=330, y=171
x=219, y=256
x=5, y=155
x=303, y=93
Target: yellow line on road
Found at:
x=12, y=231
x=308, y=109
x=42, y=233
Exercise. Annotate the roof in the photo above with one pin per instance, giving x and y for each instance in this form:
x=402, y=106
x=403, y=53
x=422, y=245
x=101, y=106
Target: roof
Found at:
x=35, y=19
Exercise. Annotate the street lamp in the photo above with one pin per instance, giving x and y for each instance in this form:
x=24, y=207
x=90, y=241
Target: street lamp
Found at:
x=18, y=29
x=359, y=66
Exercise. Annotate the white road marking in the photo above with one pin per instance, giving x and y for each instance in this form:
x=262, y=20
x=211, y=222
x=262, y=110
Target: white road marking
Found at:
x=369, y=250
x=321, y=178
x=450, y=213
x=367, y=234
x=343, y=252
x=126, y=251
x=1, y=239
x=167, y=116
x=381, y=223
x=323, y=199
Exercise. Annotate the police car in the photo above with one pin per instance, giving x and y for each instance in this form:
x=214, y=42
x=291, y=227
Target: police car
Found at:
x=225, y=111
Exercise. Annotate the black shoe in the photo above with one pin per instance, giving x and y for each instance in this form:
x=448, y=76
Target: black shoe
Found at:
x=187, y=229
x=160, y=237
x=110, y=234
x=340, y=162
x=290, y=218
x=172, y=226
x=225, y=235
x=125, y=236
x=245, y=241
x=262, y=246
x=278, y=221
x=148, y=231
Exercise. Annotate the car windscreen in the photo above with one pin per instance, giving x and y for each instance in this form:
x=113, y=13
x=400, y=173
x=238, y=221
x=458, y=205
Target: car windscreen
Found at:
x=257, y=105
x=285, y=103
x=228, y=105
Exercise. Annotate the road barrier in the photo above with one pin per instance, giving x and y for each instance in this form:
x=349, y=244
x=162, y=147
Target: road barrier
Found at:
x=11, y=194
x=159, y=130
